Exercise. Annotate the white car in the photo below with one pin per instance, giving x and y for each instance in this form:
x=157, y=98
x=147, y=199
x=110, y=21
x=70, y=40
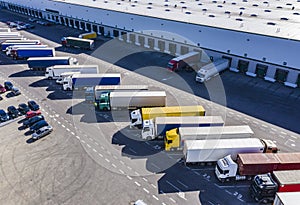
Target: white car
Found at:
x=42, y=132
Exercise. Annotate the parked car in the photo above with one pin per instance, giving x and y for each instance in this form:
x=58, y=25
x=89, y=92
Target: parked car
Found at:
x=23, y=108
x=3, y=116
x=25, y=26
x=32, y=113
x=38, y=125
x=8, y=85
x=32, y=19
x=43, y=131
x=2, y=89
x=15, y=91
x=44, y=23
x=31, y=121
x=13, y=112
x=33, y=105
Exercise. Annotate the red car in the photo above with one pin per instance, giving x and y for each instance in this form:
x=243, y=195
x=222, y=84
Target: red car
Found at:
x=2, y=89
x=31, y=114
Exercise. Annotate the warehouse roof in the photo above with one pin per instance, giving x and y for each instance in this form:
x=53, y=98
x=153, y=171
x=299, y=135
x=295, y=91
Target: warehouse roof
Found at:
x=268, y=17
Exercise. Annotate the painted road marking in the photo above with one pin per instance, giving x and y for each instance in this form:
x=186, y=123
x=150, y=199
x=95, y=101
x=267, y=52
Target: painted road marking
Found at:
x=155, y=197
x=146, y=190
x=144, y=179
x=94, y=150
x=121, y=171
x=107, y=160
x=153, y=186
x=114, y=165
x=100, y=155
x=137, y=183
x=182, y=184
x=130, y=178
x=88, y=145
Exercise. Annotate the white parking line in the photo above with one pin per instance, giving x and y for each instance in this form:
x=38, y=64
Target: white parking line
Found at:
x=107, y=160
x=121, y=171
x=72, y=133
x=155, y=197
x=68, y=129
x=88, y=145
x=114, y=165
x=144, y=179
x=100, y=155
x=130, y=178
x=94, y=150
x=172, y=200
x=137, y=183
x=153, y=186
x=77, y=137
x=146, y=190
x=63, y=126
x=182, y=184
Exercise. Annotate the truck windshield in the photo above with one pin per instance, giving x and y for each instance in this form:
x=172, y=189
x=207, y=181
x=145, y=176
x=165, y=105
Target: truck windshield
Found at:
x=170, y=65
x=200, y=75
x=146, y=129
x=221, y=171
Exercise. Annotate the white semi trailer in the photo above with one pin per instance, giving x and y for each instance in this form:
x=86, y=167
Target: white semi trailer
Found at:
x=55, y=71
x=212, y=69
x=204, y=151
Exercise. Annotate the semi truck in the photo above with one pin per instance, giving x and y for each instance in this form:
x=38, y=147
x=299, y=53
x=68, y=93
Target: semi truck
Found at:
x=5, y=30
x=204, y=151
x=61, y=78
x=5, y=38
x=90, y=35
x=24, y=53
x=287, y=198
x=82, y=81
x=41, y=63
x=249, y=165
x=138, y=116
x=53, y=72
x=187, y=61
x=10, y=50
x=212, y=69
x=78, y=43
x=131, y=100
x=7, y=43
x=175, y=138
x=265, y=186
x=5, y=33
x=156, y=128
x=92, y=94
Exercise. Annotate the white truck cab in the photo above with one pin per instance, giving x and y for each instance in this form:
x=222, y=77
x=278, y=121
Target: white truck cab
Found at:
x=62, y=76
x=136, y=118
x=148, y=131
x=226, y=168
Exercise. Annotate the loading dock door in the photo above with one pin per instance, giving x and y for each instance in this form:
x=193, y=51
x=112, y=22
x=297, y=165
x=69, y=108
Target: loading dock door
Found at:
x=261, y=70
x=116, y=33
x=298, y=80
x=243, y=66
x=229, y=59
x=281, y=75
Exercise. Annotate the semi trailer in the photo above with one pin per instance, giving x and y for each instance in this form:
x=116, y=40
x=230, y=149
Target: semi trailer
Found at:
x=90, y=35
x=249, y=165
x=203, y=151
x=53, y=72
x=24, y=53
x=92, y=94
x=187, y=61
x=7, y=43
x=41, y=63
x=78, y=43
x=10, y=50
x=175, y=138
x=80, y=81
x=156, y=128
x=131, y=100
x=212, y=69
x=138, y=116
x=287, y=198
x=265, y=186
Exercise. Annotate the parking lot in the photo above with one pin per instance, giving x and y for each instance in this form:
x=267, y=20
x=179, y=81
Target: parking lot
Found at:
x=92, y=155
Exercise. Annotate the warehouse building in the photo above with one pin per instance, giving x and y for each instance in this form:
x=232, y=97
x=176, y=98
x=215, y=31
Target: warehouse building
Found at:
x=261, y=38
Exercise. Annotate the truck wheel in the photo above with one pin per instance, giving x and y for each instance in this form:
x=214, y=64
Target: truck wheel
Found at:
x=50, y=78
x=149, y=138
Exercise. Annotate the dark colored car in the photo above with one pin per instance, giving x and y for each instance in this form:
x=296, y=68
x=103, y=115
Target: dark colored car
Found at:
x=33, y=105
x=3, y=116
x=8, y=85
x=23, y=108
x=13, y=112
x=15, y=91
x=2, y=89
x=33, y=120
x=38, y=125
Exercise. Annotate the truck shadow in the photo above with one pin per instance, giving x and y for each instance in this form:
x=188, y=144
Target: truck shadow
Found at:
x=91, y=115
x=27, y=73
